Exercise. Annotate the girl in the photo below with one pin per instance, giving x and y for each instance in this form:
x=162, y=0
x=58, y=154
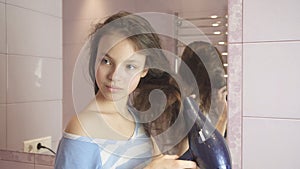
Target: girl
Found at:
x=107, y=133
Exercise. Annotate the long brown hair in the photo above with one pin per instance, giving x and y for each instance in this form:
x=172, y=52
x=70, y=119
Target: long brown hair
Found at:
x=139, y=31
x=131, y=27
x=206, y=64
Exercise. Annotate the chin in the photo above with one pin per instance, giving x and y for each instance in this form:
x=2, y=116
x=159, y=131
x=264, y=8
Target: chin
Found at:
x=115, y=97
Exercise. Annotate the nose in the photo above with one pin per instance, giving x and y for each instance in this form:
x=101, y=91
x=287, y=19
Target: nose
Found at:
x=114, y=74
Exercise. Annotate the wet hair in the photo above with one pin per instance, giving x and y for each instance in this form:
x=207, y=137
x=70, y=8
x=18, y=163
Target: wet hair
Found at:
x=206, y=64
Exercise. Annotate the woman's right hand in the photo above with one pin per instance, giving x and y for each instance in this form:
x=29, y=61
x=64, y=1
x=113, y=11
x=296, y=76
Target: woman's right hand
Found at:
x=170, y=162
x=221, y=124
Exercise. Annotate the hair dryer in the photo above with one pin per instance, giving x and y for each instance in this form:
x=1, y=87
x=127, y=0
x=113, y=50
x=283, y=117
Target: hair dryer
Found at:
x=208, y=148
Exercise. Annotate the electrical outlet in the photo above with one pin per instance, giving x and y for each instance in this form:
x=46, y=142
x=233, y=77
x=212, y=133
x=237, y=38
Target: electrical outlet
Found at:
x=30, y=146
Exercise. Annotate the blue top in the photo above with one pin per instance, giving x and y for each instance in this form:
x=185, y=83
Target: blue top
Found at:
x=79, y=152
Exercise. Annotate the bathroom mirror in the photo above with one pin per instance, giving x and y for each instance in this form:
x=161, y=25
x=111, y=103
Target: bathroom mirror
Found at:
x=37, y=60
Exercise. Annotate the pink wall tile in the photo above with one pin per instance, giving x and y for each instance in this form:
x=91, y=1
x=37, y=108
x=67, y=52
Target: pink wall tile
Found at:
x=270, y=84
x=33, y=29
x=235, y=20
x=78, y=9
x=110, y=7
x=271, y=143
x=33, y=79
x=152, y=6
x=179, y=5
x=31, y=120
x=235, y=76
x=51, y=7
x=77, y=31
x=2, y=126
x=235, y=102
x=94, y=9
x=19, y=160
x=16, y=156
x=33, y=33
x=3, y=77
x=271, y=80
x=203, y=5
x=2, y=29
x=43, y=167
x=45, y=160
x=270, y=20
x=15, y=165
x=3, y=81
x=82, y=85
x=71, y=52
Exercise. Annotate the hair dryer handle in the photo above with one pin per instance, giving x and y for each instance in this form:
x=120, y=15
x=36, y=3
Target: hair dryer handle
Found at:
x=207, y=145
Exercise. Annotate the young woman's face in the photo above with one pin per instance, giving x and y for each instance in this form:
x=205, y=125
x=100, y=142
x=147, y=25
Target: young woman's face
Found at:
x=119, y=68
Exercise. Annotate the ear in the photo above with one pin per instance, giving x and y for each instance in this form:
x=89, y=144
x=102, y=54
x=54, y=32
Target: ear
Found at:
x=144, y=73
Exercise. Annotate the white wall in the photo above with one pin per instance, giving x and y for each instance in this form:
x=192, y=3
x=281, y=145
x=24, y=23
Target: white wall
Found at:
x=31, y=71
x=271, y=111
x=264, y=42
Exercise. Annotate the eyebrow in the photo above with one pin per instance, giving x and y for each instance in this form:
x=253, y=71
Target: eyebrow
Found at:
x=126, y=61
x=107, y=55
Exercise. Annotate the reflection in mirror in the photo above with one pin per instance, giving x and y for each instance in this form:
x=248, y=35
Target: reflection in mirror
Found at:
x=202, y=45
x=213, y=26
x=36, y=78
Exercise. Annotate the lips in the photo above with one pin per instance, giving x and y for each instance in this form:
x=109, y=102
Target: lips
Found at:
x=113, y=88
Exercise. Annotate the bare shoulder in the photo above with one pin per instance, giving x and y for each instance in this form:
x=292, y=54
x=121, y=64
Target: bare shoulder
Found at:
x=76, y=124
x=75, y=127
x=86, y=123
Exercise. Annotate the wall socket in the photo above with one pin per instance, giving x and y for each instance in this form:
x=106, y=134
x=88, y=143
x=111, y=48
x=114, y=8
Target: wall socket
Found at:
x=30, y=146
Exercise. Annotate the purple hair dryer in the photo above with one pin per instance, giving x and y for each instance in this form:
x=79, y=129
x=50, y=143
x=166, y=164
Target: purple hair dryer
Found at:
x=208, y=148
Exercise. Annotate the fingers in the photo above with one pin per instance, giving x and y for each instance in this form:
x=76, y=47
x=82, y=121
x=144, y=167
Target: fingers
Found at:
x=170, y=157
x=223, y=90
x=171, y=162
x=180, y=163
x=186, y=164
x=222, y=93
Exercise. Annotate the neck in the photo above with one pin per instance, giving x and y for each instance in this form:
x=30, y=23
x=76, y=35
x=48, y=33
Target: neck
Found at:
x=111, y=106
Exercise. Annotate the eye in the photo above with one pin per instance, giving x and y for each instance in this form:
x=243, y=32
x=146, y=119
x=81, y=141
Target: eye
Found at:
x=131, y=67
x=106, y=61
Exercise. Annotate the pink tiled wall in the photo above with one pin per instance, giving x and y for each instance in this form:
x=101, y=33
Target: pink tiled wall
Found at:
x=30, y=79
x=18, y=160
x=235, y=49
x=264, y=84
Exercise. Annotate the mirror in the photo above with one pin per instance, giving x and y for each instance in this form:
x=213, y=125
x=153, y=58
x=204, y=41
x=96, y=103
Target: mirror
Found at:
x=36, y=74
